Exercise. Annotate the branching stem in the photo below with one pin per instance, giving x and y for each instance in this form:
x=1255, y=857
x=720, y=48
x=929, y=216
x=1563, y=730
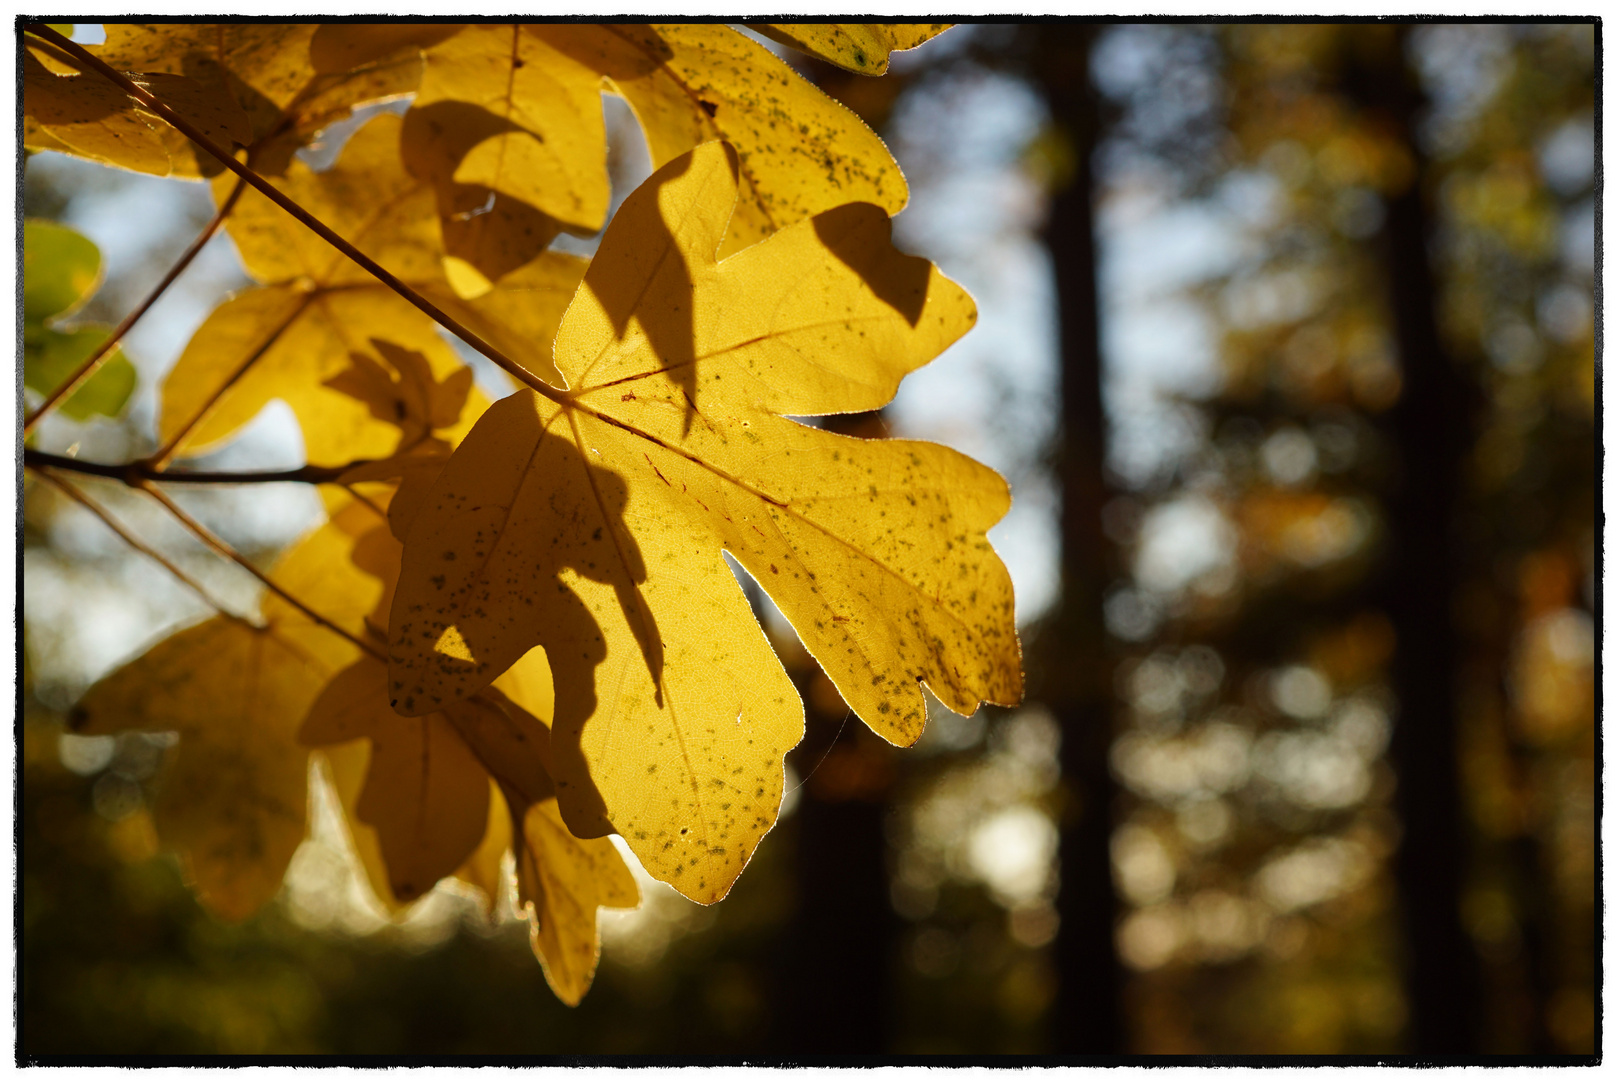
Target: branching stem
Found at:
x=107, y=519
x=137, y=473
x=201, y=532
x=88, y=61
x=161, y=458
x=105, y=349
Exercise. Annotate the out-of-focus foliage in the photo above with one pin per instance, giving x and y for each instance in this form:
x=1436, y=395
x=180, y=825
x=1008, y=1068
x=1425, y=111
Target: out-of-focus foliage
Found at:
x=61, y=269
x=1255, y=856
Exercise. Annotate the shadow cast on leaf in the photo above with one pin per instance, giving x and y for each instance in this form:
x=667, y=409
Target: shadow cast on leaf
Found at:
x=516, y=526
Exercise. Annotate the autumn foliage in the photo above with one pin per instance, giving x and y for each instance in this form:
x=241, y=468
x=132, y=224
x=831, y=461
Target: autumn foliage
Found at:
x=516, y=633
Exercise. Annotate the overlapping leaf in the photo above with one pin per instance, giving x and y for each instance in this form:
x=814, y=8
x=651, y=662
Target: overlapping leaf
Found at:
x=87, y=115
x=232, y=797
x=562, y=880
x=421, y=794
x=61, y=269
x=300, y=331
x=425, y=793
x=569, y=647
x=232, y=800
x=863, y=48
x=265, y=69
x=592, y=523
x=512, y=110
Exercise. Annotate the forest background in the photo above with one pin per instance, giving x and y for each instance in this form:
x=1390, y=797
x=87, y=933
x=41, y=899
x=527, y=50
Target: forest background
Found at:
x=1276, y=320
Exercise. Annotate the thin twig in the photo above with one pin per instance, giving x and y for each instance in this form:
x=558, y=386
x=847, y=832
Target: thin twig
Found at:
x=202, y=533
x=89, y=504
x=136, y=473
x=161, y=458
x=105, y=349
x=362, y=500
x=88, y=60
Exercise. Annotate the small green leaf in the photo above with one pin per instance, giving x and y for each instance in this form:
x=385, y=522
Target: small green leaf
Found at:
x=50, y=357
x=61, y=268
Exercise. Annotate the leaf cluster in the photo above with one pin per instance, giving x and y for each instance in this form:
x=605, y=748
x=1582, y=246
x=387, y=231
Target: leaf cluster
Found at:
x=516, y=635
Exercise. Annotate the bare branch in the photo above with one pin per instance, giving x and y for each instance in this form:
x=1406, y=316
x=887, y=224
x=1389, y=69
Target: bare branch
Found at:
x=137, y=473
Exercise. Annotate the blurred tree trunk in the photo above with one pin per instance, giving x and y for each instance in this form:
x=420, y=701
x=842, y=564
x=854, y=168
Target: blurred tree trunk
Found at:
x=1429, y=428
x=1073, y=671
x=841, y=943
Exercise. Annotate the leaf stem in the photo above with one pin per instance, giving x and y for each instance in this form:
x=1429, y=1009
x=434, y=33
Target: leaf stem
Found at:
x=106, y=519
x=161, y=458
x=105, y=349
x=88, y=60
x=137, y=473
x=363, y=501
x=202, y=533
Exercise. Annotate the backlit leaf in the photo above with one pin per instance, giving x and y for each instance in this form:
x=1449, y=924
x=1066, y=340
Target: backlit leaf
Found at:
x=800, y=152
x=863, y=48
x=346, y=765
x=90, y=117
x=592, y=525
x=233, y=792
x=514, y=109
x=51, y=357
x=86, y=114
x=285, y=342
x=291, y=337
x=265, y=69
x=421, y=803
x=513, y=113
x=562, y=880
x=232, y=796
x=61, y=268
x=425, y=793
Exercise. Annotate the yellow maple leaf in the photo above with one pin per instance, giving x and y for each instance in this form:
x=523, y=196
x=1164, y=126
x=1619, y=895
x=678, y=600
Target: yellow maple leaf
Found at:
x=504, y=109
x=562, y=880
x=88, y=116
x=513, y=109
x=863, y=48
x=231, y=799
x=799, y=151
x=265, y=68
x=590, y=522
x=298, y=331
x=421, y=804
x=425, y=793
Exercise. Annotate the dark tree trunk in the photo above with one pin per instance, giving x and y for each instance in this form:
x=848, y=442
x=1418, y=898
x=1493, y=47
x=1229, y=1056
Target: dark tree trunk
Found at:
x=1073, y=674
x=1429, y=429
x=843, y=933
x=837, y=990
